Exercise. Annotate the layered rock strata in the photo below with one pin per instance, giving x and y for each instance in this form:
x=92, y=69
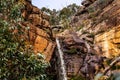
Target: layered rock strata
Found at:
x=38, y=29
x=101, y=18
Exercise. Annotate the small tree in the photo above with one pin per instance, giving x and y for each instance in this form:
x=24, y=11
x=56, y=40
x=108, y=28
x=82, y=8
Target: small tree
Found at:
x=17, y=61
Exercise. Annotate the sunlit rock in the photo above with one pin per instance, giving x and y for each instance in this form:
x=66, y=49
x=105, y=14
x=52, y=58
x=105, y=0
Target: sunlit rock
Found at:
x=110, y=42
x=36, y=23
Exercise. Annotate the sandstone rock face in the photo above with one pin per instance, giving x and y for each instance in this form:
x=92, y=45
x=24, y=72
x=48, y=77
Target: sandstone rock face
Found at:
x=38, y=30
x=110, y=42
x=98, y=18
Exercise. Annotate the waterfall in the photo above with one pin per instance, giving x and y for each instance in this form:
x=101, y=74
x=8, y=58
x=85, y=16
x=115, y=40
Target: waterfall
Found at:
x=62, y=64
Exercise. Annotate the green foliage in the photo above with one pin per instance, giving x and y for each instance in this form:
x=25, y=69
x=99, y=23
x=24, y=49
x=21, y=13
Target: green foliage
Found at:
x=65, y=12
x=61, y=16
x=46, y=10
x=17, y=61
x=79, y=28
x=91, y=10
x=16, y=66
x=72, y=51
x=77, y=78
x=68, y=11
x=65, y=23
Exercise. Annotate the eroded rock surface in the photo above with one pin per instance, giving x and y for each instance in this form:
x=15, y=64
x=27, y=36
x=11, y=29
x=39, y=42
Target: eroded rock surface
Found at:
x=100, y=17
x=96, y=35
x=38, y=30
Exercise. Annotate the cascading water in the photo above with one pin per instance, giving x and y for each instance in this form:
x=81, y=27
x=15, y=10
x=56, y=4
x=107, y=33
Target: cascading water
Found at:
x=62, y=64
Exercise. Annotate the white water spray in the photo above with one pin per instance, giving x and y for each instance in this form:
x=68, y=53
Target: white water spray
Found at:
x=62, y=64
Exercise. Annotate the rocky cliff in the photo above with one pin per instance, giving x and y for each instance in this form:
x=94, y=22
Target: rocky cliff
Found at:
x=38, y=29
x=95, y=34
x=101, y=18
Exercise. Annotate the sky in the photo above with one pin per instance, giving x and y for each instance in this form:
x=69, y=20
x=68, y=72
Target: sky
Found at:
x=54, y=4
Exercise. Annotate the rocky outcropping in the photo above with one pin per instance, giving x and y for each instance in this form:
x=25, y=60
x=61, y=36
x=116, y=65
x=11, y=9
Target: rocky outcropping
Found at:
x=38, y=29
x=98, y=17
x=81, y=56
x=96, y=36
x=109, y=41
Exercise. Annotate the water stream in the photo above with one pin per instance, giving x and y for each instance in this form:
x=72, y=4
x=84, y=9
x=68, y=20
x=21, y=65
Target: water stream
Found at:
x=62, y=64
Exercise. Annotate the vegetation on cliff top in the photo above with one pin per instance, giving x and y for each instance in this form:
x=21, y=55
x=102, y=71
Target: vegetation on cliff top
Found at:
x=61, y=17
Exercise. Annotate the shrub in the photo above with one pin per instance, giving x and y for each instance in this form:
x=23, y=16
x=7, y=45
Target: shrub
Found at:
x=17, y=61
